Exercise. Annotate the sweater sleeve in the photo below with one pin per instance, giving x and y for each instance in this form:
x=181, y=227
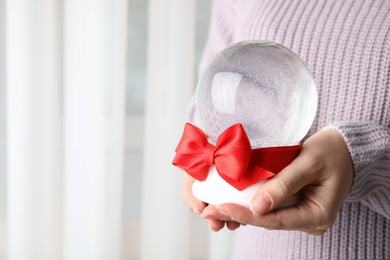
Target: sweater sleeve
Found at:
x=369, y=146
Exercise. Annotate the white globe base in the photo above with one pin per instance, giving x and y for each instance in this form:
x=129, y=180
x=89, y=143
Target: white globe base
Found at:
x=215, y=190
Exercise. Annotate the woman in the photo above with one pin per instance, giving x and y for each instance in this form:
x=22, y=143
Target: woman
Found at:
x=343, y=171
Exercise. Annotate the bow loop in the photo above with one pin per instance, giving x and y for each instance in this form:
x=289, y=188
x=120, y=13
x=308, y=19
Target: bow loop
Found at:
x=193, y=145
x=233, y=152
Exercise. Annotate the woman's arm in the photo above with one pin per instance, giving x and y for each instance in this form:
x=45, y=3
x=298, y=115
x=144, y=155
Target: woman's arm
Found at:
x=369, y=146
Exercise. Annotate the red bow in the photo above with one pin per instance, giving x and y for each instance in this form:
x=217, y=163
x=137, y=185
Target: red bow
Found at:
x=232, y=156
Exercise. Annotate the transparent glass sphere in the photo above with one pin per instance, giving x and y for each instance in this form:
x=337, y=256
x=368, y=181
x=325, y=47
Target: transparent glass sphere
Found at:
x=263, y=85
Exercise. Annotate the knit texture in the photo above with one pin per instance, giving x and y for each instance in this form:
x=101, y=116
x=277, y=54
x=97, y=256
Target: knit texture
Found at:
x=345, y=44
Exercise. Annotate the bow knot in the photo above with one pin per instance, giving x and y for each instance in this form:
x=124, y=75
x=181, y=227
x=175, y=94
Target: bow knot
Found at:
x=209, y=151
x=232, y=155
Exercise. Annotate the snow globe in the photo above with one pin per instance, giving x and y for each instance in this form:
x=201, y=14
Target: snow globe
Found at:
x=256, y=101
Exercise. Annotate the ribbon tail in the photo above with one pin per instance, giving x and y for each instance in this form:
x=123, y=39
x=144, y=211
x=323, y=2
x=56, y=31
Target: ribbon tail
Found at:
x=261, y=173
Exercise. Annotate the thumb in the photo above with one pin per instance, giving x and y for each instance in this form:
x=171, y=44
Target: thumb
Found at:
x=280, y=188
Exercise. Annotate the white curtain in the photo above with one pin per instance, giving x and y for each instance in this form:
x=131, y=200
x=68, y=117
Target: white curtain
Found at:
x=171, y=53
x=166, y=223
x=65, y=81
x=64, y=71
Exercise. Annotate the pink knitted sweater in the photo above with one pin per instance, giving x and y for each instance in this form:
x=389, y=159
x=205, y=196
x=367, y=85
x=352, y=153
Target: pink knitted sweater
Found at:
x=346, y=45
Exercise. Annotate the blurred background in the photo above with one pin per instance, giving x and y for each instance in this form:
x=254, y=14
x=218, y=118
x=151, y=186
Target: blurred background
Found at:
x=93, y=99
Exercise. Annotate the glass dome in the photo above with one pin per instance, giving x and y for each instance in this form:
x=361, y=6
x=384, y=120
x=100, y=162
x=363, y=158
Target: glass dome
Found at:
x=263, y=85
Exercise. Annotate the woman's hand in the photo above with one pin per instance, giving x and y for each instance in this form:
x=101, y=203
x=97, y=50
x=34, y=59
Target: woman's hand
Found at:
x=200, y=207
x=322, y=174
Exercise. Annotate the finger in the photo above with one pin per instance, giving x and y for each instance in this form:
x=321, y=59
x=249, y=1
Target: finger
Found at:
x=315, y=232
x=284, y=185
x=236, y=213
x=232, y=225
x=188, y=198
x=213, y=212
x=215, y=225
x=215, y=215
x=301, y=217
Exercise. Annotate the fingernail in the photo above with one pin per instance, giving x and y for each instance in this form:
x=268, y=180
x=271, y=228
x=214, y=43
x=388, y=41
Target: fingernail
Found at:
x=261, y=204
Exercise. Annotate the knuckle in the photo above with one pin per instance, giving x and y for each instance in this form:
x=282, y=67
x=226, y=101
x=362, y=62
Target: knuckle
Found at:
x=327, y=224
x=277, y=223
x=284, y=186
x=314, y=164
x=321, y=217
x=324, y=220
